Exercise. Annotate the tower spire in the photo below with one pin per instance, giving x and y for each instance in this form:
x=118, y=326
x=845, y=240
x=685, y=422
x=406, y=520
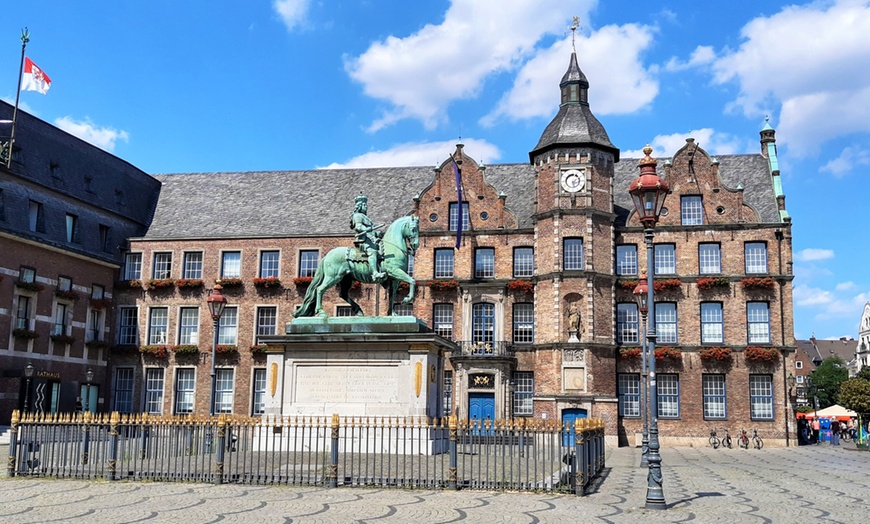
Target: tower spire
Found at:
x=574, y=25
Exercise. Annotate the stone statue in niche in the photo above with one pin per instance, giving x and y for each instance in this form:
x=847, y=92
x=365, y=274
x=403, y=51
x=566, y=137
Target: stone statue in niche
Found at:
x=574, y=322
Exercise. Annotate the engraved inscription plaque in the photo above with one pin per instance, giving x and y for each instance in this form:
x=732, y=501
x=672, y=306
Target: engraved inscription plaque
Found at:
x=346, y=384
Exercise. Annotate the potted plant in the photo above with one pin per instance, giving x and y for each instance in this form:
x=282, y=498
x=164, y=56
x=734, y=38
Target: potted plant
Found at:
x=668, y=353
x=267, y=282
x=155, y=350
x=667, y=284
x=159, y=284
x=521, y=286
x=760, y=354
x=443, y=285
x=302, y=281
x=629, y=353
x=226, y=348
x=627, y=285
x=188, y=283
x=761, y=283
x=230, y=282
x=185, y=349
x=708, y=283
x=715, y=354
x=258, y=349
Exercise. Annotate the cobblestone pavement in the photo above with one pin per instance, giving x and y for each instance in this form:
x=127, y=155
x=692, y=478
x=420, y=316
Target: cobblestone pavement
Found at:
x=809, y=484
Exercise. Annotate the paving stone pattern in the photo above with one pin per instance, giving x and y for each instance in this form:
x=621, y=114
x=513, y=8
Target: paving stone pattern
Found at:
x=807, y=484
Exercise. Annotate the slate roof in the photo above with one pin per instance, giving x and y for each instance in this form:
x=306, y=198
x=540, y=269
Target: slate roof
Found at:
x=318, y=202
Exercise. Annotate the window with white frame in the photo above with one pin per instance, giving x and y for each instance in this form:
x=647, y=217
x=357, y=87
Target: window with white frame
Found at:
x=666, y=323
x=228, y=326
x=270, y=262
x=484, y=262
x=524, y=392
x=798, y=364
x=761, y=397
x=483, y=322
x=64, y=283
x=626, y=259
x=712, y=325
x=665, y=259
x=185, y=389
x=713, y=391
x=444, y=263
x=124, y=380
x=154, y=391
x=755, y=254
x=192, y=265
x=267, y=320
x=627, y=324
x=757, y=323
x=403, y=310
x=442, y=320
x=128, y=326
x=132, y=266
x=308, y=262
x=27, y=275
x=524, y=262
x=60, y=319
x=231, y=264
x=258, y=396
x=524, y=323
x=447, y=393
x=572, y=257
x=95, y=325
x=188, y=329
x=223, y=391
x=691, y=210
x=162, y=268
x=453, y=220
x=668, y=395
x=629, y=394
x=709, y=259
x=158, y=325
x=22, y=312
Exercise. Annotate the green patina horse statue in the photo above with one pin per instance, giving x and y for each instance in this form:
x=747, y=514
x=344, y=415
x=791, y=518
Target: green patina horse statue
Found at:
x=343, y=266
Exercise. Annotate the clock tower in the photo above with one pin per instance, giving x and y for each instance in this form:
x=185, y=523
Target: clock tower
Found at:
x=574, y=251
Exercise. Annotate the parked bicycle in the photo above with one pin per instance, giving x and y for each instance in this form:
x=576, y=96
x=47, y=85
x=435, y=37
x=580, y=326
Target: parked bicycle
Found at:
x=726, y=441
x=743, y=439
x=714, y=440
x=757, y=443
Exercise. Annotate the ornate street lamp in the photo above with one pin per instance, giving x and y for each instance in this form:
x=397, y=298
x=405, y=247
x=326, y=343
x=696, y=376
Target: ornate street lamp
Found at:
x=640, y=296
x=28, y=376
x=89, y=376
x=648, y=193
x=216, y=304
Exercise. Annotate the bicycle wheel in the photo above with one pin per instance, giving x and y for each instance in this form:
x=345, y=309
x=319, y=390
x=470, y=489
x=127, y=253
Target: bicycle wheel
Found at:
x=743, y=442
x=847, y=437
x=714, y=441
x=757, y=442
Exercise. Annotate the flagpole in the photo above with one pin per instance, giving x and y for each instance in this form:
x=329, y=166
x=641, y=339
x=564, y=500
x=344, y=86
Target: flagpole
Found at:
x=25, y=37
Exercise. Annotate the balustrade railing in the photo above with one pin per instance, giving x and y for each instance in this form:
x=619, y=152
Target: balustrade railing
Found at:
x=499, y=348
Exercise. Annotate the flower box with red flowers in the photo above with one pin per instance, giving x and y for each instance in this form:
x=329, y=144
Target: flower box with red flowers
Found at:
x=668, y=353
x=66, y=294
x=29, y=286
x=25, y=334
x=185, y=349
x=629, y=353
x=62, y=339
x=443, y=285
x=267, y=282
x=708, y=283
x=188, y=283
x=258, y=349
x=521, y=286
x=302, y=281
x=759, y=354
x=230, y=282
x=155, y=284
x=156, y=351
x=627, y=285
x=666, y=285
x=765, y=283
x=717, y=353
x=129, y=284
x=226, y=348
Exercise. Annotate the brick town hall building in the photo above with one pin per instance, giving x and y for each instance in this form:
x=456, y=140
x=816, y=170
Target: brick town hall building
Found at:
x=541, y=239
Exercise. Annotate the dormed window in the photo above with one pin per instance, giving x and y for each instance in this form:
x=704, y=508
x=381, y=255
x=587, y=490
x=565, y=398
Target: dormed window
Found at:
x=691, y=210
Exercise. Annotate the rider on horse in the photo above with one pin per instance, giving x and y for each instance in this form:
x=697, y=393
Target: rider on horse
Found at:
x=367, y=240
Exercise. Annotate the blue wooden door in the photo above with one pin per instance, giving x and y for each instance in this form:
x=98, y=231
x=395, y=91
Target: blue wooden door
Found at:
x=568, y=418
x=481, y=406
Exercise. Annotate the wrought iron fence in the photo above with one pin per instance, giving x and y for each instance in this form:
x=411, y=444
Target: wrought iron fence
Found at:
x=521, y=455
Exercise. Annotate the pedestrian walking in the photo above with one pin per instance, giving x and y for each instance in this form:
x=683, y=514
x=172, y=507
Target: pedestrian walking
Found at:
x=816, y=430
x=835, y=432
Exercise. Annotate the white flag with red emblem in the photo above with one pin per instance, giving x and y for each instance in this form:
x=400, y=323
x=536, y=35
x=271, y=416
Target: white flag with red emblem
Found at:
x=34, y=78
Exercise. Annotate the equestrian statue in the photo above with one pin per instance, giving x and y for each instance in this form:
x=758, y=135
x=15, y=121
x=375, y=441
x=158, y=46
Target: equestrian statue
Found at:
x=376, y=258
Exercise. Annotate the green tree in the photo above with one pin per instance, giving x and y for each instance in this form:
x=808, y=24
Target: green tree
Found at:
x=826, y=380
x=855, y=395
x=864, y=373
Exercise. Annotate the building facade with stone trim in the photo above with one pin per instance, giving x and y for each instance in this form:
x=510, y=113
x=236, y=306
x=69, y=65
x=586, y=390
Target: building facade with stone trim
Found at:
x=66, y=211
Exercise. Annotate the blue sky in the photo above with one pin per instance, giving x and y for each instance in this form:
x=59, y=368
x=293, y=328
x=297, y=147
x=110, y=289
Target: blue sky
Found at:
x=214, y=85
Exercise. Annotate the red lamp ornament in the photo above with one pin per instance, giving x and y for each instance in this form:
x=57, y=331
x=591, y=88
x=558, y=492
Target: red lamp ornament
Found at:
x=648, y=191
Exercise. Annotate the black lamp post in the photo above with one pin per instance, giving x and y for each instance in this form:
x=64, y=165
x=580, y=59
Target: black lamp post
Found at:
x=28, y=376
x=648, y=193
x=640, y=296
x=89, y=376
x=216, y=304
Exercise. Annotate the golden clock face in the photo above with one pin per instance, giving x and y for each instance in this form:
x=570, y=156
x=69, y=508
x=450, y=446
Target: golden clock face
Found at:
x=573, y=180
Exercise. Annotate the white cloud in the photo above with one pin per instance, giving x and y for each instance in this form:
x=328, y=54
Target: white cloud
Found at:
x=610, y=56
x=421, y=154
x=292, y=12
x=810, y=254
x=805, y=296
x=421, y=74
x=102, y=137
x=711, y=141
x=850, y=158
x=808, y=59
x=845, y=286
x=702, y=55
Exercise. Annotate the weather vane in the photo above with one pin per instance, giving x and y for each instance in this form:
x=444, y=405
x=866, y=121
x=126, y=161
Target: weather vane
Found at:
x=574, y=25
